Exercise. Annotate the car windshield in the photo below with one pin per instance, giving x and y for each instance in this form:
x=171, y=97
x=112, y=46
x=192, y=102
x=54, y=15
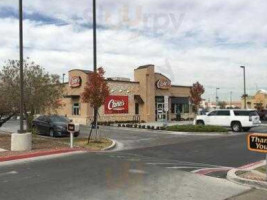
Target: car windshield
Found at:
x=59, y=119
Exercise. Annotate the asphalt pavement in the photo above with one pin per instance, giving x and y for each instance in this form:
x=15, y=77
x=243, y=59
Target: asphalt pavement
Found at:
x=100, y=176
x=143, y=163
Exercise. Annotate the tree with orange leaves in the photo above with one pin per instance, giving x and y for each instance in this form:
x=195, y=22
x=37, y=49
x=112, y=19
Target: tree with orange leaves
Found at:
x=196, y=92
x=95, y=93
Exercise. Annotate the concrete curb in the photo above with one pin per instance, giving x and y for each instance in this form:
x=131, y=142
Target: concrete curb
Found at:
x=112, y=146
x=230, y=133
x=231, y=176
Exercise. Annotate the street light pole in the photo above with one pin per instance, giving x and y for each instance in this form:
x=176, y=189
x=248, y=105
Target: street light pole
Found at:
x=95, y=54
x=94, y=36
x=217, y=98
x=231, y=101
x=21, y=64
x=64, y=77
x=245, y=92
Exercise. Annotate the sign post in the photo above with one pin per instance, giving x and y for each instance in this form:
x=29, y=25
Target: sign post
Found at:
x=258, y=143
x=72, y=128
x=166, y=109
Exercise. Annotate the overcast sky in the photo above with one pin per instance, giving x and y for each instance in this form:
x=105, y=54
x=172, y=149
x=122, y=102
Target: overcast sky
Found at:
x=188, y=40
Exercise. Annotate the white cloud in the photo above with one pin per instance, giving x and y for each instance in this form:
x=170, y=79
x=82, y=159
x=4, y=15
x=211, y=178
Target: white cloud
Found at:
x=203, y=41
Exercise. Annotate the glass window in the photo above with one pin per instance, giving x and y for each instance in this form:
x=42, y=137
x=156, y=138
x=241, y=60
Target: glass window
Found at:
x=223, y=113
x=76, y=109
x=179, y=108
x=213, y=113
x=137, y=108
x=186, y=108
x=245, y=113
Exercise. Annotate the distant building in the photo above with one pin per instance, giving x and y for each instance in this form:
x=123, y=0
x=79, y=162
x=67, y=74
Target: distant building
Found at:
x=258, y=101
x=210, y=106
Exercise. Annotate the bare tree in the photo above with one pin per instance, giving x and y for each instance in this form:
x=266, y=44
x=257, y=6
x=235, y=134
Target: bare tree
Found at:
x=41, y=89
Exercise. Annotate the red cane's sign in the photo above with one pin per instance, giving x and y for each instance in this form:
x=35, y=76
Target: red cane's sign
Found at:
x=163, y=84
x=116, y=104
x=75, y=81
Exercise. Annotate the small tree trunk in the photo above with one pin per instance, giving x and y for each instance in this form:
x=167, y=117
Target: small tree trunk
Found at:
x=89, y=137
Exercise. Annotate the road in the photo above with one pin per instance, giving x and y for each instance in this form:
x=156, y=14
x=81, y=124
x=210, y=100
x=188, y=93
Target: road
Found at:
x=146, y=165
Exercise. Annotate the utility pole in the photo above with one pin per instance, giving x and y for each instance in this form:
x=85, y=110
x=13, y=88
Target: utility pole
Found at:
x=95, y=53
x=21, y=64
x=245, y=92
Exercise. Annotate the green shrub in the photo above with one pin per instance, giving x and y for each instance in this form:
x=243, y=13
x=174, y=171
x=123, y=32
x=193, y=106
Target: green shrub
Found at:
x=196, y=128
x=34, y=131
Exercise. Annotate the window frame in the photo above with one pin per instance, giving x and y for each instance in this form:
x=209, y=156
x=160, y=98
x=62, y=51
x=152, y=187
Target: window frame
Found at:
x=76, y=109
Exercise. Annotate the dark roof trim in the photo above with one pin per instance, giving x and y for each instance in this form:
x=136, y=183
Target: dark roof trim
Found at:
x=71, y=96
x=110, y=80
x=82, y=70
x=144, y=66
x=163, y=75
x=182, y=86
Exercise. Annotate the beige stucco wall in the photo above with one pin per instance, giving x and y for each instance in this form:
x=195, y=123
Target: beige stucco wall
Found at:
x=120, y=88
x=144, y=85
x=146, y=79
x=257, y=98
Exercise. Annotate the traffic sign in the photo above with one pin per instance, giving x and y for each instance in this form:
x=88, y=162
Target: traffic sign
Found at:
x=257, y=142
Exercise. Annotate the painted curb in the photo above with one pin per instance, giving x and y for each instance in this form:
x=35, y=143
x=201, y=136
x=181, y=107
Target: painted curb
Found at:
x=37, y=154
x=112, y=146
x=231, y=176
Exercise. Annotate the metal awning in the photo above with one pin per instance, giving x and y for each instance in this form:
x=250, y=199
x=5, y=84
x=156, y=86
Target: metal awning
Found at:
x=180, y=100
x=139, y=99
x=72, y=96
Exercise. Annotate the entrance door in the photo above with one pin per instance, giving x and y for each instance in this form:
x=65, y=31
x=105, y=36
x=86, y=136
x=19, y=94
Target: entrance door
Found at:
x=160, y=112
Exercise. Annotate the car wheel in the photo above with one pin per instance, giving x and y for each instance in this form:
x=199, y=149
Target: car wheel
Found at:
x=51, y=133
x=200, y=123
x=246, y=129
x=236, y=126
x=76, y=134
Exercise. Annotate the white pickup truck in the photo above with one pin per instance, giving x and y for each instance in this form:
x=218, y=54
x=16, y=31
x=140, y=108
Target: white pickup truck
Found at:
x=237, y=119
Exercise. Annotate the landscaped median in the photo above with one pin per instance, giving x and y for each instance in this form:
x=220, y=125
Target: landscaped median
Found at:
x=252, y=175
x=197, y=129
x=42, y=145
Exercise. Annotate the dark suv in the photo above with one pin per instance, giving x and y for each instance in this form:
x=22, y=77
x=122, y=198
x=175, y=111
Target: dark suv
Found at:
x=53, y=125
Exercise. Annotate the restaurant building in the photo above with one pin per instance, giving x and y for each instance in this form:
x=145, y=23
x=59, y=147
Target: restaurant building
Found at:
x=257, y=101
x=150, y=97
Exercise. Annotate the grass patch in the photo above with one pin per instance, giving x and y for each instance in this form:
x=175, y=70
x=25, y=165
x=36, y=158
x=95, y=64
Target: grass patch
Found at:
x=197, y=128
x=93, y=144
x=261, y=169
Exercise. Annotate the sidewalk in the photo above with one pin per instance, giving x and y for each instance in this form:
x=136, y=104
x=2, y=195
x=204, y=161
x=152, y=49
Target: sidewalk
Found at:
x=250, y=175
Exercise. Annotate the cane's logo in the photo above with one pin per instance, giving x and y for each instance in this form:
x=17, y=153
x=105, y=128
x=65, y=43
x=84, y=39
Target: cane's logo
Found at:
x=75, y=81
x=163, y=84
x=116, y=104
